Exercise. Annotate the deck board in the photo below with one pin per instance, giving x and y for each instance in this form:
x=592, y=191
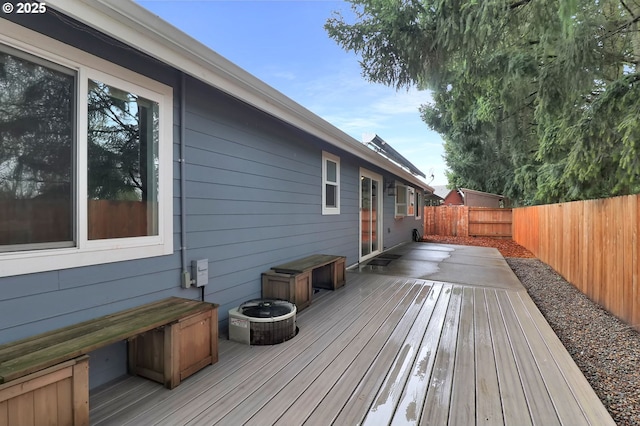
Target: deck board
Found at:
x=409, y=407
x=436, y=406
x=348, y=365
x=535, y=391
x=381, y=350
x=563, y=400
x=350, y=339
x=577, y=383
x=463, y=390
x=355, y=408
x=354, y=386
x=512, y=396
x=489, y=410
x=402, y=370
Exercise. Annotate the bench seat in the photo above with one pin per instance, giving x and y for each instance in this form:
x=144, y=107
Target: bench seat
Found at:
x=168, y=341
x=294, y=281
x=35, y=353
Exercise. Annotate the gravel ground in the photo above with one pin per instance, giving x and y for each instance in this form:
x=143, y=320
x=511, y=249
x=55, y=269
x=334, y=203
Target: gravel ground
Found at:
x=606, y=350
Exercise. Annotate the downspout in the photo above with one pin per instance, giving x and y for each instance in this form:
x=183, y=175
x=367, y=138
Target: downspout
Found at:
x=186, y=279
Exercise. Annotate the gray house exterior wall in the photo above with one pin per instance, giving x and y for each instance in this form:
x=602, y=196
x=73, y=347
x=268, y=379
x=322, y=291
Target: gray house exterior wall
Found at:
x=254, y=195
x=253, y=200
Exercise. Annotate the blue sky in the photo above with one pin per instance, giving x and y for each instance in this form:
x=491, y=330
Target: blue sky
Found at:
x=284, y=44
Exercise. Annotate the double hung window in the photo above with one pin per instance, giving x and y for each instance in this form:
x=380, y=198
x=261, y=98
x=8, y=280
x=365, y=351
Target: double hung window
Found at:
x=401, y=200
x=330, y=183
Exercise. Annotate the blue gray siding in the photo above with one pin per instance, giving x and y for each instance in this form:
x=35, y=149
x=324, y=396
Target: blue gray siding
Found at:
x=254, y=195
x=398, y=230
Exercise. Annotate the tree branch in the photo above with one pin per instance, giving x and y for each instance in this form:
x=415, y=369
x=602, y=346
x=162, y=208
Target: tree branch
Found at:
x=518, y=4
x=626, y=7
x=624, y=26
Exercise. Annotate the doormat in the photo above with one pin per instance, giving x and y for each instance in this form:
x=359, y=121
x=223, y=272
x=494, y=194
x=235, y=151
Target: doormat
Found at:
x=389, y=256
x=379, y=262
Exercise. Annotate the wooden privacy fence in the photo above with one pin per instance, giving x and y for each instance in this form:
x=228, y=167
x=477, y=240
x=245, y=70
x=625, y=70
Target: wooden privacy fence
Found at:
x=592, y=244
x=465, y=221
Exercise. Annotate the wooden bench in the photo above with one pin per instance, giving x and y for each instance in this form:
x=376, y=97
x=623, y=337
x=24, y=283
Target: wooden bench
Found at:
x=294, y=281
x=168, y=341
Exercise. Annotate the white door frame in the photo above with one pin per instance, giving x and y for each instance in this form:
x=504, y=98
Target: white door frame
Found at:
x=379, y=209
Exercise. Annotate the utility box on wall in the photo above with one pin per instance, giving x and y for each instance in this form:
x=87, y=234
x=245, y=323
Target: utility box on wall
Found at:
x=200, y=272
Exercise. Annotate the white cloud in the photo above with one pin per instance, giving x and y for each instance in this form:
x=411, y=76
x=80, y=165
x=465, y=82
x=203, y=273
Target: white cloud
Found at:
x=402, y=102
x=351, y=124
x=285, y=75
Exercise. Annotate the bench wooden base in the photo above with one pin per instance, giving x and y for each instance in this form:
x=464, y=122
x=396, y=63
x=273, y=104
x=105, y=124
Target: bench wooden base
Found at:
x=295, y=288
x=331, y=276
x=294, y=281
x=57, y=395
x=172, y=353
x=44, y=379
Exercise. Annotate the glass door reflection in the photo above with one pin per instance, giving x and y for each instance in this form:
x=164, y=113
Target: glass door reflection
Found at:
x=370, y=200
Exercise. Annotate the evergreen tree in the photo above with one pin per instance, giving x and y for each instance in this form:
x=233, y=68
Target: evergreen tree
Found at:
x=534, y=99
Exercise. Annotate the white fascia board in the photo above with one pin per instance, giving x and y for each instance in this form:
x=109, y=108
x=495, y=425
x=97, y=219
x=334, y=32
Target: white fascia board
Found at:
x=134, y=25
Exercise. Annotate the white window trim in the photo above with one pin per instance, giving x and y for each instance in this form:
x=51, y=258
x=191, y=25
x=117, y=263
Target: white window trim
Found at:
x=96, y=252
x=400, y=214
x=330, y=210
x=419, y=204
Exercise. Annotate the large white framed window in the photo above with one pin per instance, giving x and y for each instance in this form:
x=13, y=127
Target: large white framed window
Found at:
x=330, y=184
x=401, y=200
x=86, y=163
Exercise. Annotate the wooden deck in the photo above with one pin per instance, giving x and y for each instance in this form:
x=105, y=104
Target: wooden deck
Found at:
x=381, y=350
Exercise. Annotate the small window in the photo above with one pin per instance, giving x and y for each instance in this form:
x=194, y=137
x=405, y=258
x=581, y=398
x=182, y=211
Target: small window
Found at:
x=330, y=184
x=401, y=200
x=419, y=204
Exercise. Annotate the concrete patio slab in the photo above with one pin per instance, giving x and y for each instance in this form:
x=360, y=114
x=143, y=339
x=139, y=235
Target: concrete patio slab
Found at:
x=466, y=265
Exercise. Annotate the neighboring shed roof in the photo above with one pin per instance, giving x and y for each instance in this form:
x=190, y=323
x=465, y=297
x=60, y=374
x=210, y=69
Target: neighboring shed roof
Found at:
x=485, y=194
x=441, y=191
x=134, y=25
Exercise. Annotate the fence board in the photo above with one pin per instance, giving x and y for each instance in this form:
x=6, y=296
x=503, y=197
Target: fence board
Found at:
x=635, y=219
x=593, y=244
x=465, y=221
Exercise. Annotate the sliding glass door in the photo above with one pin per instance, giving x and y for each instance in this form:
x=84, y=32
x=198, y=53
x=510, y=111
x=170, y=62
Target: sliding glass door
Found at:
x=370, y=214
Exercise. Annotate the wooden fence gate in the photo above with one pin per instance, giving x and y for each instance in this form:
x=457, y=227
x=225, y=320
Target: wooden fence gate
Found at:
x=464, y=221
